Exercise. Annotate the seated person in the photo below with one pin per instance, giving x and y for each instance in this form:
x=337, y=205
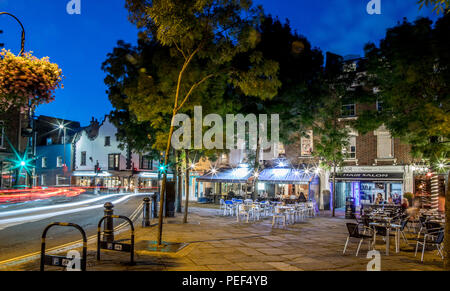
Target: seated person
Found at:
x=302, y=197
x=379, y=199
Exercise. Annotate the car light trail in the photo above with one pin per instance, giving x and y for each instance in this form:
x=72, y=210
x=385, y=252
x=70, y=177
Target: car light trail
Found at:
x=65, y=205
x=5, y=223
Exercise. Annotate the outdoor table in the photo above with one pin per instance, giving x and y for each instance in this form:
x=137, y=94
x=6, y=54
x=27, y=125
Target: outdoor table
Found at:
x=388, y=227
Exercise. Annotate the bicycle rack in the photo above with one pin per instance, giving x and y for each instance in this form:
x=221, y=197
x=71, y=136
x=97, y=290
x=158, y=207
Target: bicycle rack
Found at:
x=60, y=261
x=115, y=245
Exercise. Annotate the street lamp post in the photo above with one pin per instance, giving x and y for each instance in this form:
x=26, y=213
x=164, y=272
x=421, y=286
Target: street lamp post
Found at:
x=22, y=49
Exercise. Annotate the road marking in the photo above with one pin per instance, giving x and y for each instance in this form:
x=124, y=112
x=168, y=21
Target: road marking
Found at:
x=68, y=246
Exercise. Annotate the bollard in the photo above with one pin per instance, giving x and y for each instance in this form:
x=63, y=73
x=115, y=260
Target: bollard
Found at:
x=109, y=223
x=146, y=209
x=155, y=205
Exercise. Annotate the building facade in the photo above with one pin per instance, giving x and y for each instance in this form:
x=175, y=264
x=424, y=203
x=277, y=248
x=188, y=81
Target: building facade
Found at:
x=100, y=162
x=54, y=150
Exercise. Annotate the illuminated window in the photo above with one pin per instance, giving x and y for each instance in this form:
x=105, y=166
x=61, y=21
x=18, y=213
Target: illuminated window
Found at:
x=114, y=162
x=59, y=162
x=44, y=162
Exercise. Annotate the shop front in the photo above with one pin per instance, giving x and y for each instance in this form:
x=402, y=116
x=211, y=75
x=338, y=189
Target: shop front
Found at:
x=288, y=184
x=364, y=187
x=226, y=183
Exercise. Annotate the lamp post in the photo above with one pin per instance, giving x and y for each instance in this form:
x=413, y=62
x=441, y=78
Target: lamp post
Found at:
x=63, y=128
x=23, y=31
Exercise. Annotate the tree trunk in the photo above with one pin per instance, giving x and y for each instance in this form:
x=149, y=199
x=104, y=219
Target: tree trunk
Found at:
x=179, y=183
x=255, y=180
x=447, y=227
x=163, y=186
x=334, y=191
x=186, y=184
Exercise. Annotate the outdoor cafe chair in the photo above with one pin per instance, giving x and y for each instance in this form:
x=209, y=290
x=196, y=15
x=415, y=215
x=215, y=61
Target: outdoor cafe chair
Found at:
x=434, y=239
x=243, y=210
x=354, y=232
x=257, y=211
x=229, y=208
x=223, y=206
x=277, y=215
x=300, y=211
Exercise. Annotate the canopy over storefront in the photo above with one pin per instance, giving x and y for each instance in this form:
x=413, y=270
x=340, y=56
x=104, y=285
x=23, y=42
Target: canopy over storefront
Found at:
x=227, y=175
x=285, y=176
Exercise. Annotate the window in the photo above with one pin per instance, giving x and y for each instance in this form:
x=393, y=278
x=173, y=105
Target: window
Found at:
x=350, y=151
x=307, y=144
x=49, y=141
x=43, y=180
x=59, y=180
x=107, y=141
x=44, y=162
x=114, y=162
x=146, y=164
x=349, y=110
x=2, y=133
x=384, y=146
x=83, y=159
x=59, y=162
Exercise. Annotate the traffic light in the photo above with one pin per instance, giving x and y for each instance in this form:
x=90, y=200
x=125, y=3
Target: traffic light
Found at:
x=97, y=169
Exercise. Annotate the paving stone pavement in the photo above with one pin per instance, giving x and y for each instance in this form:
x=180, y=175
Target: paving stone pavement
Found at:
x=217, y=243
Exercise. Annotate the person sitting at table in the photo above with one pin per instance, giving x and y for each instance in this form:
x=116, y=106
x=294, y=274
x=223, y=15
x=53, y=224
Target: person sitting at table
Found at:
x=390, y=200
x=405, y=204
x=302, y=198
x=379, y=199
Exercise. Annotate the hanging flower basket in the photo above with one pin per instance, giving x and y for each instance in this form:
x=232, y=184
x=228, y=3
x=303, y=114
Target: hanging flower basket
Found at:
x=27, y=80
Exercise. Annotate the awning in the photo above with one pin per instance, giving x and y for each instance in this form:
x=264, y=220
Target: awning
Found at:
x=368, y=176
x=285, y=176
x=238, y=175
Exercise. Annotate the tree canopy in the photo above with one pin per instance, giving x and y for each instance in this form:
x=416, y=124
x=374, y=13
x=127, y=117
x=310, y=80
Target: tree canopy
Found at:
x=410, y=70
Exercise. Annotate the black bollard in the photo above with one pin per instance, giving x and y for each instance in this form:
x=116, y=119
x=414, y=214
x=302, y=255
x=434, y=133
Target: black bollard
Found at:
x=146, y=209
x=155, y=205
x=109, y=223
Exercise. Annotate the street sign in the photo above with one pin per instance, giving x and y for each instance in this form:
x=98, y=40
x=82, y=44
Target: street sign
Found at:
x=115, y=246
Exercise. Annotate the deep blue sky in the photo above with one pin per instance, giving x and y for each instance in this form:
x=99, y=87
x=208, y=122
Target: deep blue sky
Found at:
x=79, y=43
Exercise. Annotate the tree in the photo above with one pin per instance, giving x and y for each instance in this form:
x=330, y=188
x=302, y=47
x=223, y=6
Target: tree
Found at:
x=342, y=84
x=26, y=81
x=300, y=69
x=204, y=38
x=410, y=68
x=440, y=6
x=122, y=68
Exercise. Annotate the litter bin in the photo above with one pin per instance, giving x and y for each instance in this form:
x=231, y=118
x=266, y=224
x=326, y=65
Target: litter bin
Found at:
x=350, y=208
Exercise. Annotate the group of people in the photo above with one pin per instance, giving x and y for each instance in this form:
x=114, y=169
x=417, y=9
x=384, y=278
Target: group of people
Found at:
x=393, y=200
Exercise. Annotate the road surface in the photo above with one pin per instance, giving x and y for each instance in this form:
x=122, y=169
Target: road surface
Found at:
x=21, y=225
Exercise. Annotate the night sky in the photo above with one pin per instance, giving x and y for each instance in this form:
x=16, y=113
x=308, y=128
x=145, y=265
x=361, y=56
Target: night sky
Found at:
x=79, y=43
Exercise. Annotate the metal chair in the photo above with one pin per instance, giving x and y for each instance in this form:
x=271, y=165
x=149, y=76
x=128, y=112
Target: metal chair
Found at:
x=433, y=238
x=353, y=232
